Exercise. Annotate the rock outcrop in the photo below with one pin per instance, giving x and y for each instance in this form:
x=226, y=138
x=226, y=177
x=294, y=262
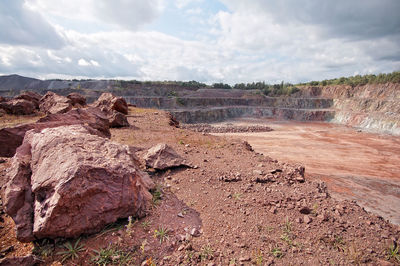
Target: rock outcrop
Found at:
x=77, y=99
x=92, y=118
x=18, y=107
x=30, y=96
x=163, y=157
x=108, y=102
x=65, y=182
x=52, y=103
x=118, y=119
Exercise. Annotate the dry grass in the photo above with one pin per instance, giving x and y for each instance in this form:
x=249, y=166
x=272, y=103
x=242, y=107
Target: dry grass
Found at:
x=15, y=120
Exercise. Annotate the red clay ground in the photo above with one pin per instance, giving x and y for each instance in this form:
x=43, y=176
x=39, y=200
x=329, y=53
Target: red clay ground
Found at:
x=241, y=222
x=356, y=165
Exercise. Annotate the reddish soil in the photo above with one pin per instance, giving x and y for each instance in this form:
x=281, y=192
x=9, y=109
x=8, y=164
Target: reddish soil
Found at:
x=356, y=165
x=210, y=221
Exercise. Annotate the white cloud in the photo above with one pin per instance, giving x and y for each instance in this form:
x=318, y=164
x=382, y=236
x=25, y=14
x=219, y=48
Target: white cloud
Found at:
x=253, y=41
x=21, y=26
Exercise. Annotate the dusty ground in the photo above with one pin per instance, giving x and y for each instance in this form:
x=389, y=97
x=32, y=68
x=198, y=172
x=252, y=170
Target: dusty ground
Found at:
x=356, y=165
x=216, y=214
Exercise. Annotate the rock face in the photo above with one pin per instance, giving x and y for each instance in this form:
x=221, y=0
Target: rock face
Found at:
x=162, y=157
x=30, y=96
x=92, y=118
x=118, y=120
x=52, y=103
x=108, y=102
x=18, y=107
x=77, y=99
x=65, y=182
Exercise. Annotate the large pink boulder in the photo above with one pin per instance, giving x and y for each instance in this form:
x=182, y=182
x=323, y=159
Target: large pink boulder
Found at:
x=108, y=102
x=52, y=103
x=92, y=118
x=162, y=157
x=78, y=183
x=18, y=107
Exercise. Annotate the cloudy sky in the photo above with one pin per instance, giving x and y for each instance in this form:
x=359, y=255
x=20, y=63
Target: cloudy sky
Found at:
x=210, y=41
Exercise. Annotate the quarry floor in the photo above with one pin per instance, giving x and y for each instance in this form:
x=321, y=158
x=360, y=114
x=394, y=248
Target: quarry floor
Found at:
x=355, y=165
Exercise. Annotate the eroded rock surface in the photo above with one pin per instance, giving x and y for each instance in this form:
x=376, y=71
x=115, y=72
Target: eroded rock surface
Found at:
x=79, y=182
x=30, y=96
x=18, y=107
x=52, y=103
x=77, y=99
x=162, y=157
x=92, y=118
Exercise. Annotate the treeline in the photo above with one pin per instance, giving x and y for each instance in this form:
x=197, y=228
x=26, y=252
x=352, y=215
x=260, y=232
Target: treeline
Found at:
x=185, y=84
x=267, y=89
x=393, y=77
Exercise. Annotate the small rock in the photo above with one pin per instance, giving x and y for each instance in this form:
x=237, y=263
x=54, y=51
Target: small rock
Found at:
x=273, y=210
x=181, y=247
x=299, y=220
x=180, y=215
x=257, y=172
x=244, y=258
x=307, y=219
x=195, y=232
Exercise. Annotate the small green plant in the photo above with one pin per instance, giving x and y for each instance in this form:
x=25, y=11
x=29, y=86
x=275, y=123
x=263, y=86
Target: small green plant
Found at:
x=277, y=252
x=181, y=142
x=206, y=252
x=71, y=251
x=286, y=237
x=157, y=195
x=161, y=233
x=287, y=227
x=111, y=255
x=43, y=248
x=232, y=262
x=393, y=253
x=146, y=224
x=339, y=243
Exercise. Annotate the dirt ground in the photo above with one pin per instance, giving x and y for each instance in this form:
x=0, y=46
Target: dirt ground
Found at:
x=234, y=206
x=356, y=165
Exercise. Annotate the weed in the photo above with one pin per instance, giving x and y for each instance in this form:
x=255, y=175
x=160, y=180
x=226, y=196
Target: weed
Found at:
x=143, y=246
x=72, y=251
x=258, y=257
x=157, y=194
x=161, y=233
x=339, y=243
x=181, y=142
x=236, y=196
x=111, y=255
x=277, y=252
x=129, y=226
x=315, y=209
x=393, y=253
x=232, y=262
x=146, y=224
x=206, y=252
x=43, y=248
x=286, y=237
x=354, y=254
x=287, y=227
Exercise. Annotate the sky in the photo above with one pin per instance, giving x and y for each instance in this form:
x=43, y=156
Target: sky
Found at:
x=230, y=41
